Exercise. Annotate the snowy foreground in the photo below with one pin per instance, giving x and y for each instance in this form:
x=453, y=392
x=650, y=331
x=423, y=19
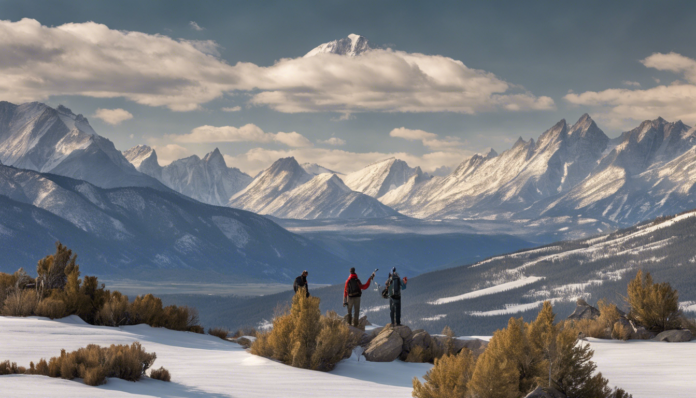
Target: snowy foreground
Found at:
x=205, y=366
x=200, y=365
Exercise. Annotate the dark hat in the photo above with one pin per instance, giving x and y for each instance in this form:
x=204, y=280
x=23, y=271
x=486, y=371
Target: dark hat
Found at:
x=352, y=270
x=393, y=270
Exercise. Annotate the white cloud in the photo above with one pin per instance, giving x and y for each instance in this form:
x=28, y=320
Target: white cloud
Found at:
x=169, y=153
x=89, y=59
x=232, y=109
x=334, y=141
x=625, y=106
x=630, y=83
x=195, y=26
x=429, y=140
x=258, y=159
x=113, y=116
x=247, y=133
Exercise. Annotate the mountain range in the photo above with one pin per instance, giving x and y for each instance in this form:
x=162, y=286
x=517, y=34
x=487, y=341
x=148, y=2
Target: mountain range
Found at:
x=207, y=180
x=148, y=234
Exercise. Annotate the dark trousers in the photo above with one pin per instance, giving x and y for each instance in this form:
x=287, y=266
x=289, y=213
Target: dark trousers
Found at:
x=354, y=311
x=395, y=310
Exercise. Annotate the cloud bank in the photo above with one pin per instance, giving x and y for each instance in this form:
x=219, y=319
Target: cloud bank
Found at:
x=247, y=133
x=625, y=106
x=89, y=59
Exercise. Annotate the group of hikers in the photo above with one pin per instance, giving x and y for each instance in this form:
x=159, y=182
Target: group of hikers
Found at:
x=352, y=291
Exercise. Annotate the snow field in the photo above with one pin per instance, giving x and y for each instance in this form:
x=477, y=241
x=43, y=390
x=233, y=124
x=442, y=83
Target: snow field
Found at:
x=200, y=365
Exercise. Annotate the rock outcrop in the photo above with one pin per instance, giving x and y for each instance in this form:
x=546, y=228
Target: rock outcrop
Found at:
x=674, y=336
x=388, y=344
x=584, y=311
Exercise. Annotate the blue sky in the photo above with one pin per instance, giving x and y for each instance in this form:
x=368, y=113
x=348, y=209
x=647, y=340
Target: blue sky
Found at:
x=481, y=74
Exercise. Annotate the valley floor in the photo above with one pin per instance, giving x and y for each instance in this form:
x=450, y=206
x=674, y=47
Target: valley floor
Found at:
x=205, y=366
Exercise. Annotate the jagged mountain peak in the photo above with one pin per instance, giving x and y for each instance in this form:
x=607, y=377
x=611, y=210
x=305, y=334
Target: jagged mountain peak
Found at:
x=285, y=164
x=352, y=46
x=491, y=154
x=215, y=157
x=316, y=169
x=138, y=154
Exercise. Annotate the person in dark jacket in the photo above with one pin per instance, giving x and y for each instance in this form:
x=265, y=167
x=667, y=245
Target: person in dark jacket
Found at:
x=301, y=282
x=395, y=285
x=351, y=296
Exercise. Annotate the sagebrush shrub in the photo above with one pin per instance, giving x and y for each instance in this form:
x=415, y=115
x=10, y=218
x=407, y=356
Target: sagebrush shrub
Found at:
x=219, y=332
x=160, y=374
x=620, y=332
x=93, y=364
x=303, y=338
x=20, y=302
x=51, y=308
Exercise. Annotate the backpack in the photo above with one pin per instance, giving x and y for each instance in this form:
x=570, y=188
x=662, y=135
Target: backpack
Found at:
x=385, y=292
x=396, y=290
x=354, y=288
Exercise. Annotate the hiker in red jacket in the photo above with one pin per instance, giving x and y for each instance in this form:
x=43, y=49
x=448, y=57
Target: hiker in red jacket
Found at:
x=351, y=296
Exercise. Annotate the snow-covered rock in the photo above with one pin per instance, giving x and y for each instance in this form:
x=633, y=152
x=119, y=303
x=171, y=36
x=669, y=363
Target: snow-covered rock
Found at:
x=37, y=137
x=351, y=46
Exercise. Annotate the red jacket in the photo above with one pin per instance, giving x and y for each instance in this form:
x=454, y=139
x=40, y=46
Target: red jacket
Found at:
x=355, y=276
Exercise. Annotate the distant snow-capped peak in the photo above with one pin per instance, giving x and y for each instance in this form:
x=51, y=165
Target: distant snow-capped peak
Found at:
x=351, y=46
x=315, y=169
x=138, y=154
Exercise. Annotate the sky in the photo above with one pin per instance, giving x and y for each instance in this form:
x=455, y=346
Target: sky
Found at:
x=444, y=80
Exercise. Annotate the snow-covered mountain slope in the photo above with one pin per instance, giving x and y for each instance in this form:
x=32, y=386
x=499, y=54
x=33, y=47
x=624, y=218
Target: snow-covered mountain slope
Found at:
x=381, y=177
x=479, y=298
x=648, y=171
x=200, y=365
x=144, y=159
x=326, y=196
x=37, y=137
x=207, y=180
x=284, y=175
x=569, y=171
x=148, y=234
x=510, y=182
x=315, y=169
x=351, y=46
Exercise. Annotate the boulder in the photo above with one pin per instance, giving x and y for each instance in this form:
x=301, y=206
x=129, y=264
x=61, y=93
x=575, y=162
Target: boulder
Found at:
x=361, y=336
x=541, y=392
x=244, y=342
x=419, y=338
x=584, y=311
x=386, y=347
x=364, y=322
x=404, y=331
x=674, y=336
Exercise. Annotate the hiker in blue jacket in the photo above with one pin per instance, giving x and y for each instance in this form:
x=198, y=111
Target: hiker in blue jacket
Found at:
x=395, y=285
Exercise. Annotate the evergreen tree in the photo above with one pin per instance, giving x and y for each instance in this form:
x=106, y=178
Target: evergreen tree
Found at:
x=653, y=305
x=496, y=374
